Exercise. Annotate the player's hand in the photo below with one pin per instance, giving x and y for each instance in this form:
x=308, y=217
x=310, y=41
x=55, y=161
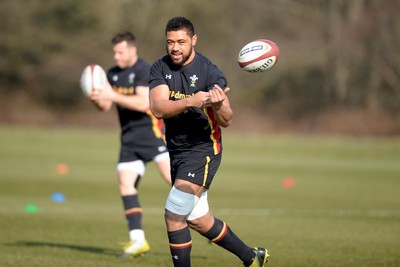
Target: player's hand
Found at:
x=218, y=96
x=106, y=94
x=200, y=99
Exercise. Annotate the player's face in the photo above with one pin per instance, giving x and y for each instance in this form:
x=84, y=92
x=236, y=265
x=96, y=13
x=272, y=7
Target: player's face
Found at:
x=124, y=55
x=180, y=47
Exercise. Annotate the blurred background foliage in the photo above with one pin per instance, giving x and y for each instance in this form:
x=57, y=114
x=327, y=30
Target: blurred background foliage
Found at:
x=336, y=55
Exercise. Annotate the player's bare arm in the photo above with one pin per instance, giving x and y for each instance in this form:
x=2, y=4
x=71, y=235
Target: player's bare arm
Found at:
x=220, y=103
x=138, y=102
x=162, y=107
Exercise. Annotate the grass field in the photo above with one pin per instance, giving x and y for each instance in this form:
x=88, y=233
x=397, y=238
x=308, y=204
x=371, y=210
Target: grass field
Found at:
x=342, y=210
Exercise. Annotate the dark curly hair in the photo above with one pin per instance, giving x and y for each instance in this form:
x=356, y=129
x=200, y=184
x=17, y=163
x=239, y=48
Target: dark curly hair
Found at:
x=180, y=23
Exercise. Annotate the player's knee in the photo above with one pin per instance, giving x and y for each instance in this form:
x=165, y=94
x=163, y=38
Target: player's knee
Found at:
x=200, y=209
x=198, y=225
x=126, y=190
x=199, y=219
x=180, y=203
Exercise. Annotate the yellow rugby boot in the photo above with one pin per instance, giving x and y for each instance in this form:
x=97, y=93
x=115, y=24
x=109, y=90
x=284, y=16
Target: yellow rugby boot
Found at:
x=260, y=258
x=134, y=249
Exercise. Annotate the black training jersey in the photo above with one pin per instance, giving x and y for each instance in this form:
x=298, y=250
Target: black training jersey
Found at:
x=195, y=130
x=124, y=81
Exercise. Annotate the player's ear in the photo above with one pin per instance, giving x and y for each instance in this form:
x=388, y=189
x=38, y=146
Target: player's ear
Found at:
x=133, y=49
x=194, y=40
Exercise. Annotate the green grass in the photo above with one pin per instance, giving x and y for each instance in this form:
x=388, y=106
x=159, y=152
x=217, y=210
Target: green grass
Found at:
x=344, y=209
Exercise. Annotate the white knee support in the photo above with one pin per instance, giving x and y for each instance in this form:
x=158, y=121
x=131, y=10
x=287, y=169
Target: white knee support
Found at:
x=180, y=203
x=200, y=209
x=136, y=166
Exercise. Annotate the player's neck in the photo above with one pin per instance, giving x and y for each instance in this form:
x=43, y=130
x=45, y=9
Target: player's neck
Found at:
x=133, y=61
x=190, y=59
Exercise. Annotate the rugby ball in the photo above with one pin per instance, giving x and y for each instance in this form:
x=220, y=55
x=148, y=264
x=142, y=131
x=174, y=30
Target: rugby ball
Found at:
x=93, y=78
x=258, y=56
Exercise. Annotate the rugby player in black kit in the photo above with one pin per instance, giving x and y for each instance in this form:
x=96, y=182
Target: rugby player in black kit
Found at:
x=141, y=133
x=189, y=92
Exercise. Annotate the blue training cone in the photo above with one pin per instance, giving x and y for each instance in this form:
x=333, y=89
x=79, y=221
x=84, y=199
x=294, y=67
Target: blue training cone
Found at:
x=58, y=197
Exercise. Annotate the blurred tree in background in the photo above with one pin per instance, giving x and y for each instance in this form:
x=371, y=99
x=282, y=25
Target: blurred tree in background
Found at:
x=334, y=53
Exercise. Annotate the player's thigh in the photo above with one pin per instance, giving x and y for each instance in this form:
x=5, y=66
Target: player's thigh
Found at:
x=129, y=172
x=163, y=164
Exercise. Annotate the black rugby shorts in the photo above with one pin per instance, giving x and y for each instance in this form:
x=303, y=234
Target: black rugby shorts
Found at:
x=145, y=149
x=198, y=169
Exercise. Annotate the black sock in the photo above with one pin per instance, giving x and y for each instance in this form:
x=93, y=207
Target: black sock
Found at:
x=133, y=211
x=180, y=245
x=222, y=235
